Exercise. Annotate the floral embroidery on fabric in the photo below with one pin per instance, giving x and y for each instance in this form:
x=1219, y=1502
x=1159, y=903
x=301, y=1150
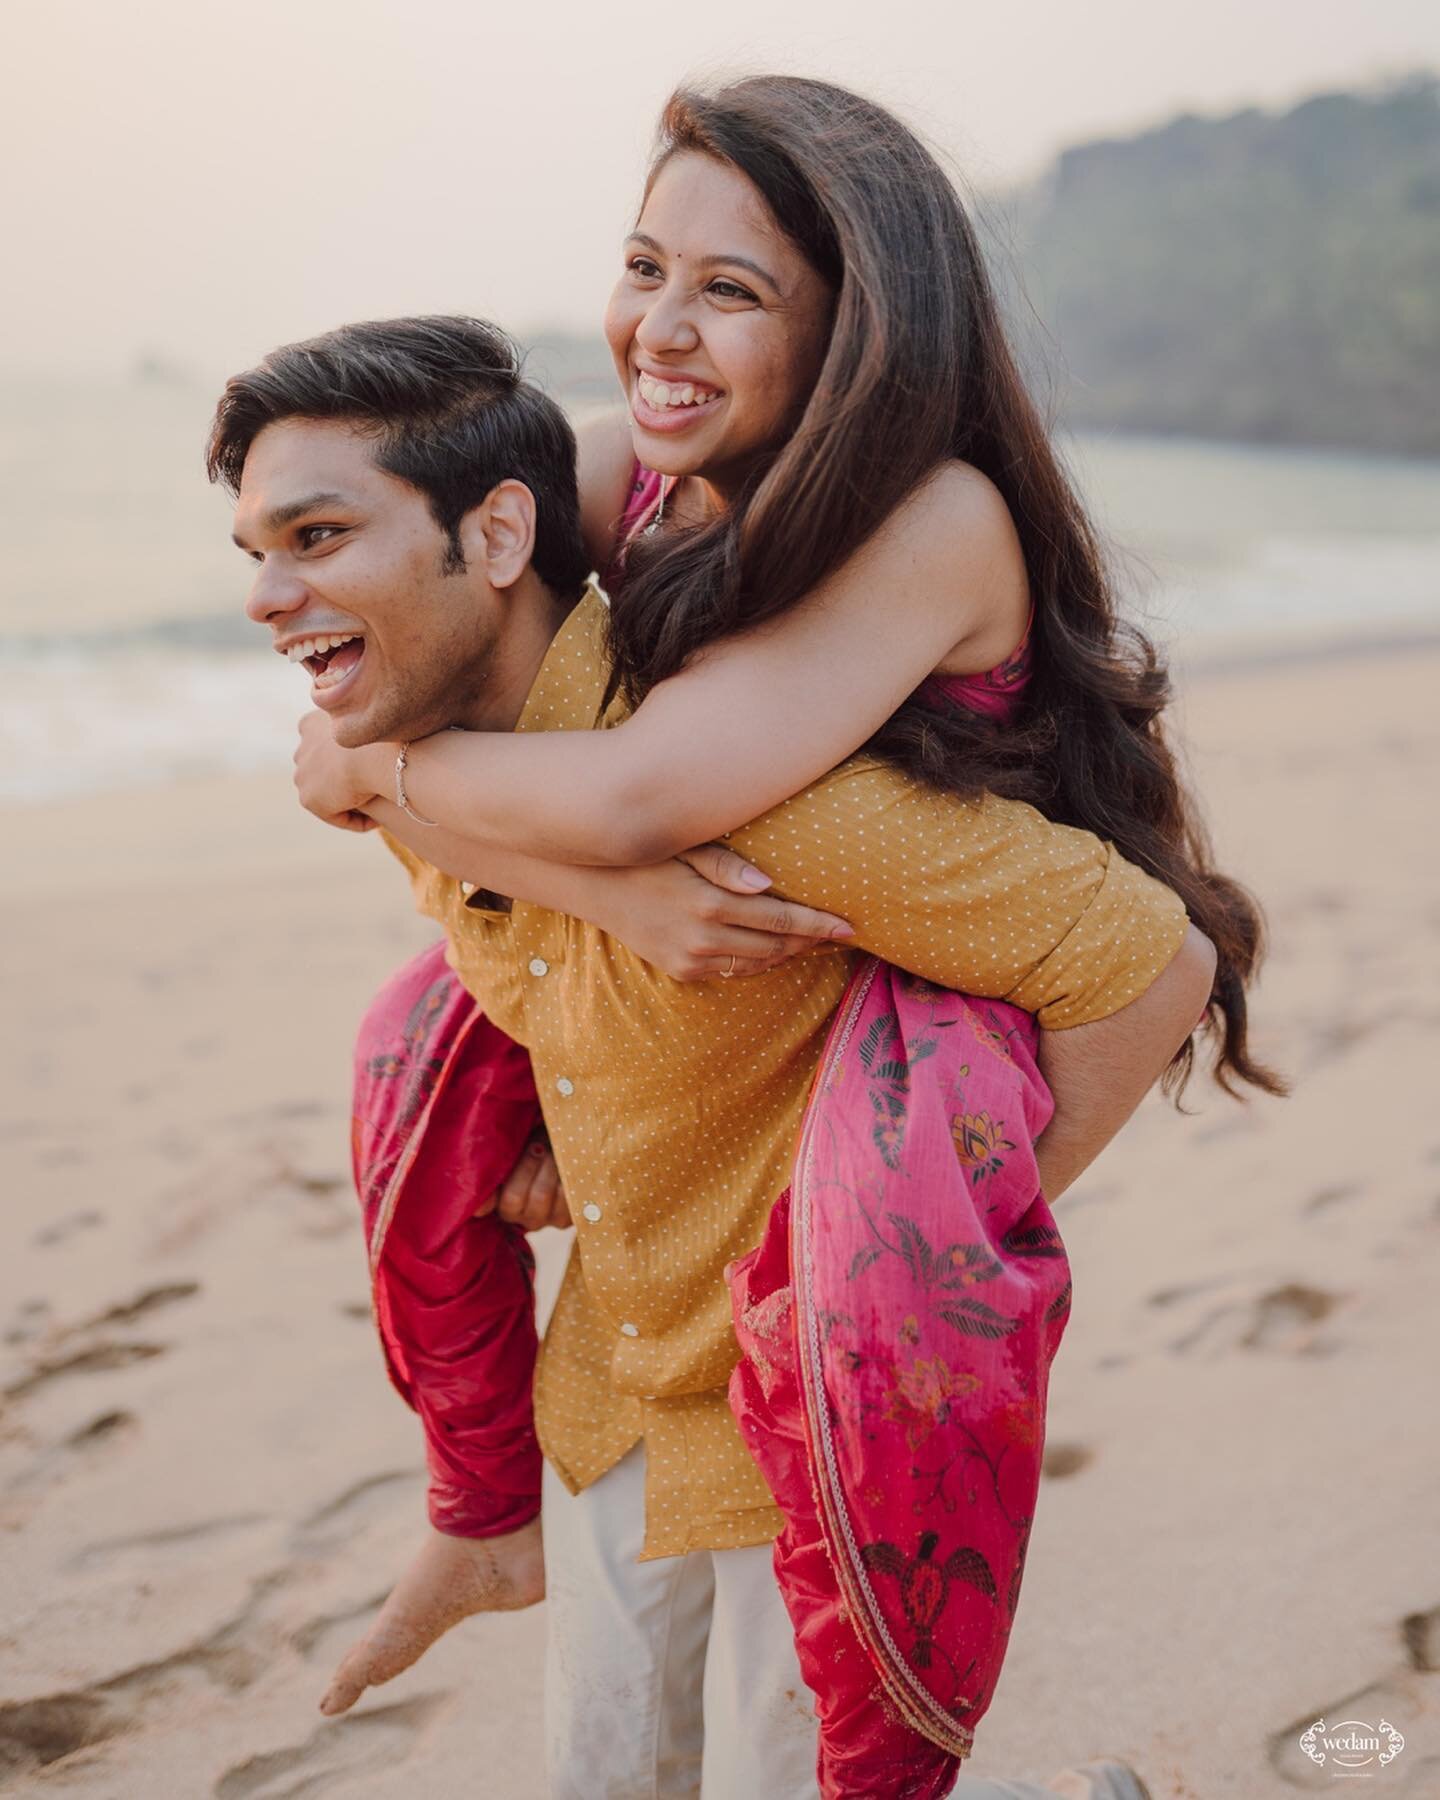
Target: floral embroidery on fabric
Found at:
x=920, y=1399
x=979, y=1141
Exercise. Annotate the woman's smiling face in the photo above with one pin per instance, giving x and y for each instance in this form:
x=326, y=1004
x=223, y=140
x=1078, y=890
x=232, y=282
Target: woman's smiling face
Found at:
x=718, y=324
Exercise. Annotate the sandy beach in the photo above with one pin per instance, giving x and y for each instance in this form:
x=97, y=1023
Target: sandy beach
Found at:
x=206, y=1484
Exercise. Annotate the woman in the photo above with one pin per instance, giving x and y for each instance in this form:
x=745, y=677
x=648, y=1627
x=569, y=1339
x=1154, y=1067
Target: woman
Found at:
x=823, y=415
x=843, y=430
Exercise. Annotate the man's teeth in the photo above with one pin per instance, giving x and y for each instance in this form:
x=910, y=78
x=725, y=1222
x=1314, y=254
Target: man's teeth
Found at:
x=318, y=646
x=663, y=394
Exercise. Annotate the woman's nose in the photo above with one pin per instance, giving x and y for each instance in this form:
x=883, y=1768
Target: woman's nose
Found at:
x=667, y=326
x=274, y=593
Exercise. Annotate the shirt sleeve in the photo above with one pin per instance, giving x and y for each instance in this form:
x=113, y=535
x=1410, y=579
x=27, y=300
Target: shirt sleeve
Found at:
x=987, y=897
x=425, y=881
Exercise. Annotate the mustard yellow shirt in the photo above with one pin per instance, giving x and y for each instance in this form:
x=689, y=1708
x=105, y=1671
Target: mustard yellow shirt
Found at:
x=673, y=1107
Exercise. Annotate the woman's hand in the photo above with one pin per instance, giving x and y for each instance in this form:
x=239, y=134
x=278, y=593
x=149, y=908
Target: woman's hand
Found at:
x=701, y=916
x=334, y=784
x=531, y=1195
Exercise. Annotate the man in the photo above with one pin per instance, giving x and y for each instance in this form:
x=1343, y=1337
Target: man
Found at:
x=410, y=503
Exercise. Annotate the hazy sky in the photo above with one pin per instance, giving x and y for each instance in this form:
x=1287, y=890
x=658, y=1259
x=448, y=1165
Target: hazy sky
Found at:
x=203, y=180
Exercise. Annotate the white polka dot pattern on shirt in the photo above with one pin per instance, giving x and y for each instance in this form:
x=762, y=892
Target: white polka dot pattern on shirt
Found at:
x=673, y=1108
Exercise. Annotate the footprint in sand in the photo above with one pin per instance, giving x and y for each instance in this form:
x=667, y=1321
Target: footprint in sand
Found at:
x=339, y=1520
x=1420, y=1632
x=1066, y=1459
x=37, y=1732
x=1330, y=1196
x=1184, y=1290
x=106, y=1432
x=85, y=1220
x=98, y=1359
x=359, y=1744
x=125, y=1312
x=324, y=1639
x=141, y=1547
x=1286, y=1319
x=1402, y=1700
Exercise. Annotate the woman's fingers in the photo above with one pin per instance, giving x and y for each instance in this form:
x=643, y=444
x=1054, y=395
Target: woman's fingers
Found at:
x=726, y=868
x=774, y=918
x=752, y=910
x=531, y=1195
x=743, y=953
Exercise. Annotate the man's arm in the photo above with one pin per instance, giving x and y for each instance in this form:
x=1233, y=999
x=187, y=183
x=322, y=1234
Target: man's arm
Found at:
x=993, y=899
x=988, y=897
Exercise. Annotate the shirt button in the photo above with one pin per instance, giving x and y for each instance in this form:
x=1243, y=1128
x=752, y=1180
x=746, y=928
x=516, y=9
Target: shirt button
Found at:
x=590, y=1212
x=566, y=1086
x=629, y=1330
x=539, y=966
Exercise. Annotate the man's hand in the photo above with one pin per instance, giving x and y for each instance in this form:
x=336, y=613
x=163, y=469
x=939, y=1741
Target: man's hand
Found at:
x=451, y=1578
x=334, y=784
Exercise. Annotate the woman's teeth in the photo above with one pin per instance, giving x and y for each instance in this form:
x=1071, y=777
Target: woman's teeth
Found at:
x=661, y=394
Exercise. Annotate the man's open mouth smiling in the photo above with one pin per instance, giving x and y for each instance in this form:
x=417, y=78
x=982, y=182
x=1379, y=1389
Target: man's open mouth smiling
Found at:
x=330, y=657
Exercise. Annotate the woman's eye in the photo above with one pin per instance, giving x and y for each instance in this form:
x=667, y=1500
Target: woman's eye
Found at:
x=644, y=268
x=730, y=290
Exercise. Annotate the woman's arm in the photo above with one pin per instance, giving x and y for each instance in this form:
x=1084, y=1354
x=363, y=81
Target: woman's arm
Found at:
x=694, y=918
x=755, y=719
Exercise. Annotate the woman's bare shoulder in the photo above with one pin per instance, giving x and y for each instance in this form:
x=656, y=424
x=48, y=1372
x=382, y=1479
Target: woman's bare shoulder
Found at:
x=955, y=538
x=605, y=463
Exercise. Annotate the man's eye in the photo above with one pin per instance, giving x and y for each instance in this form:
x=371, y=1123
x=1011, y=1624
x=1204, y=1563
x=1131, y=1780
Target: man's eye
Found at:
x=311, y=535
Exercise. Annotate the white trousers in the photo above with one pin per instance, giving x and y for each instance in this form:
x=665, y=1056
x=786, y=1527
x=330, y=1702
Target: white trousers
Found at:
x=676, y=1677
x=669, y=1678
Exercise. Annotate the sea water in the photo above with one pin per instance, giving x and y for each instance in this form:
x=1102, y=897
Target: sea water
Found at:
x=126, y=658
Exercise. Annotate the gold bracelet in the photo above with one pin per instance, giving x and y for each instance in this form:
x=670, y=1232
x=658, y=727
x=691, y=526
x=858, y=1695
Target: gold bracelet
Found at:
x=400, y=797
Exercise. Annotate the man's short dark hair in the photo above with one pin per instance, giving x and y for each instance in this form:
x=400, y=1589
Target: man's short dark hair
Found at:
x=451, y=412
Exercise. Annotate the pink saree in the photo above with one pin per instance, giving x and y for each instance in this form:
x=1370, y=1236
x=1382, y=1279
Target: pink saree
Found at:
x=897, y=1324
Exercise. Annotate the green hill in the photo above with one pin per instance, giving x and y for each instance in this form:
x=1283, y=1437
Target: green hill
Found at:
x=1265, y=277
x=1268, y=277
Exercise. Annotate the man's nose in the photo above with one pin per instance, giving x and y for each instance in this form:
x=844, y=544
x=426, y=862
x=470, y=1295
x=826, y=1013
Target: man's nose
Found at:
x=275, y=592
x=667, y=327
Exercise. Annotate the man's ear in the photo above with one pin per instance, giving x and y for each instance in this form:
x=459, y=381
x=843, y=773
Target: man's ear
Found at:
x=500, y=533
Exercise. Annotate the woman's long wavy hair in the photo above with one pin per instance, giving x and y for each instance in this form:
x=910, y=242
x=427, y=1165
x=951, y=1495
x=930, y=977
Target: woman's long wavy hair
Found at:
x=918, y=370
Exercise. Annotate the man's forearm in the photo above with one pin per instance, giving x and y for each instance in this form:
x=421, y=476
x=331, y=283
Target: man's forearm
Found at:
x=1099, y=1073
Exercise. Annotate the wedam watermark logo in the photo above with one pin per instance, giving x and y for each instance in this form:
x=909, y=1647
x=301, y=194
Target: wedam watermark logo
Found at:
x=1352, y=1747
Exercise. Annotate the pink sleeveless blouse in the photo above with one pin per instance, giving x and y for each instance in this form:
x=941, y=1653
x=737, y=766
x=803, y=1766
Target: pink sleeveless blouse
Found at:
x=996, y=692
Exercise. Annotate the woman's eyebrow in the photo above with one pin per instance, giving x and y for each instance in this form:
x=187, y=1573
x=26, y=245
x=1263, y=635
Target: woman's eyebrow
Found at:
x=729, y=259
